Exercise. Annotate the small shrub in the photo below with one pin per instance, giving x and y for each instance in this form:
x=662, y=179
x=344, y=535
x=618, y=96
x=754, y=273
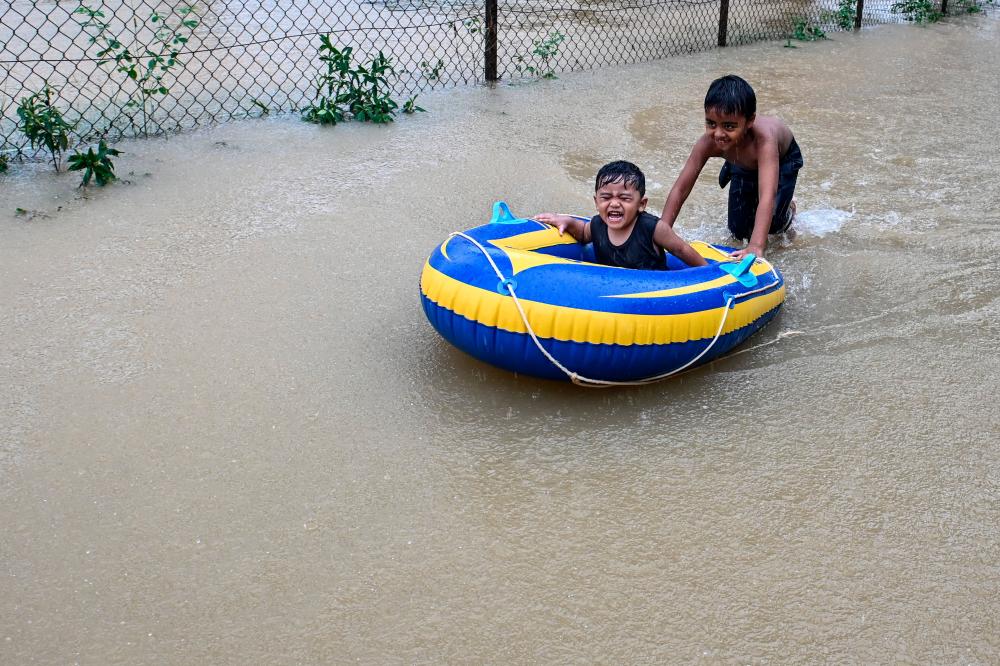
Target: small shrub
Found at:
x=410, y=106
x=369, y=98
x=3, y=164
x=845, y=14
x=95, y=165
x=331, y=87
x=361, y=92
x=918, y=11
x=545, y=49
x=43, y=123
x=804, y=32
x=969, y=6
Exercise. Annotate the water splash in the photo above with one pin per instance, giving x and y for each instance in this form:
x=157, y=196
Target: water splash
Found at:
x=822, y=221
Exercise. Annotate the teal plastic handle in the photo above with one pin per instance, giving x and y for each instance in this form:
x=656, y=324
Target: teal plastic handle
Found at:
x=502, y=215
x=741, y=271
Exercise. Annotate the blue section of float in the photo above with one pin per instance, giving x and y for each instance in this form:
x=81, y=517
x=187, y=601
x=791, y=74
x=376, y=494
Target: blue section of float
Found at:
x=517, y=351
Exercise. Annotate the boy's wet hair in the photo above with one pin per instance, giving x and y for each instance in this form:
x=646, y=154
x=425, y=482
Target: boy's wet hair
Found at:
x=621, y=172
x=731, y=95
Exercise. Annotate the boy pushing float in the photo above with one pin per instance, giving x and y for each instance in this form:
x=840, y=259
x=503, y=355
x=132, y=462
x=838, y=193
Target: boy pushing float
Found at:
x=762, y=165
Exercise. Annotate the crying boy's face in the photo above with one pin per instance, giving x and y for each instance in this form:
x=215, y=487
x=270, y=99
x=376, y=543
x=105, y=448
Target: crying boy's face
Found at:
x=619, y=204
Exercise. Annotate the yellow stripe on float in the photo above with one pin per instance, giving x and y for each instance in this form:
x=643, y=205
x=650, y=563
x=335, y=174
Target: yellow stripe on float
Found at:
x=692, y=288
x=534, y=240
x=490, y=308
x=520, y=249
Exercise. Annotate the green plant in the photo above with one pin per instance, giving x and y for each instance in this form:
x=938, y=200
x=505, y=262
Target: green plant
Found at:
x=410, y=106
x=43, y=123
x=845, y=14
x=969, y=6
x=432, y=72
x=546, y=49
x=146, y=65
x=474, y=25
x=264, y=111
x=3, y=163
x=95, y=165
x=918, y=11
x=331, y=87
x=363, y=92
x=804, y=32
x=370, y=100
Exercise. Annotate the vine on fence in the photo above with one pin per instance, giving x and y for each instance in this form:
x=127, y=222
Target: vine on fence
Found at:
x=546, y=49
x=432, y=72
x=146, y=65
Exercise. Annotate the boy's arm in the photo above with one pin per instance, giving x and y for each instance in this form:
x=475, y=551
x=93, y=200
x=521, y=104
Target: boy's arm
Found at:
x=668, y=239
x=767, y=186
x=700, y=153
x=575, y=226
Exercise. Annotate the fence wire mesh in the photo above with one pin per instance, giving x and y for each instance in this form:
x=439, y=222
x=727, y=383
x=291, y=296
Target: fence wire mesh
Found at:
x=245, y=58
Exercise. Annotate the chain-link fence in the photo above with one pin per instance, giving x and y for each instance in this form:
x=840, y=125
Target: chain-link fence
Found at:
x=120, y=68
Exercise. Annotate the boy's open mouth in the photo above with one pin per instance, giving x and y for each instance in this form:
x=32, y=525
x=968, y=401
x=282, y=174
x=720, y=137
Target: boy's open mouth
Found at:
x=615, y=216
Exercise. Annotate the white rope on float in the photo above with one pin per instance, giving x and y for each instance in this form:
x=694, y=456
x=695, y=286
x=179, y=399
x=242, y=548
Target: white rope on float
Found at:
x=588, y=382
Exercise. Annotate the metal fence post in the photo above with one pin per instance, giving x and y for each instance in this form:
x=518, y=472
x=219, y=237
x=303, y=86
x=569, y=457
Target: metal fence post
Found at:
x=857, y=14
x=491, y=40
x=723, y=21
x=944, y=6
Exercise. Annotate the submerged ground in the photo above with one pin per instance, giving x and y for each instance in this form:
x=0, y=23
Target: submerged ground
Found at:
x=230, y=436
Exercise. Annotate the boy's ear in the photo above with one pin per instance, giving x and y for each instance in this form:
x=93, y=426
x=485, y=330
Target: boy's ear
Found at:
x=642, y=203
x=751, y=119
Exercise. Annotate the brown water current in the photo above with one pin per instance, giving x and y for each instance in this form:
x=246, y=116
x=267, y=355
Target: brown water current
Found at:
x=229, y=435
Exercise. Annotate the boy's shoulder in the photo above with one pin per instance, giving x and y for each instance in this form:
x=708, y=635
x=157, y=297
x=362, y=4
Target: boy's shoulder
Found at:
x=772, y=128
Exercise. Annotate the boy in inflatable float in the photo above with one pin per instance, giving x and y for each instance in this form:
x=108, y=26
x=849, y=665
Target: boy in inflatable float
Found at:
x=623, y=233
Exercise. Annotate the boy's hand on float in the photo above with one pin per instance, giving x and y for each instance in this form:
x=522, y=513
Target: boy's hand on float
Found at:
x=755, y=250
x=560, y=222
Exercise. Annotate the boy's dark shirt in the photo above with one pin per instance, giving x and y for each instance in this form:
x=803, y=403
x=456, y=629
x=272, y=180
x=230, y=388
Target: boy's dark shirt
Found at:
x=639, y=251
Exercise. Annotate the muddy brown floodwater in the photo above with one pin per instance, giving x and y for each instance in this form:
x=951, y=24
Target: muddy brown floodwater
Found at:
x=229, y=435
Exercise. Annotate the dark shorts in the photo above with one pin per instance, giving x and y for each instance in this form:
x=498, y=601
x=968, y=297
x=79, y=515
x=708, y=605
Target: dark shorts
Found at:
x=743, y=195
